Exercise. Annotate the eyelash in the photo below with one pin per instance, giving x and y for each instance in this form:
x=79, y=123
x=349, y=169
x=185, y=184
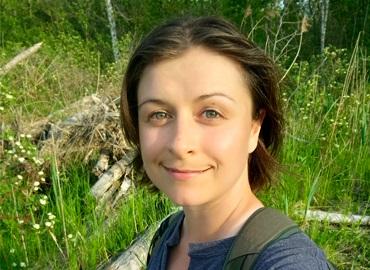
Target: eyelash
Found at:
x=154, y=115
x=218, y=115
x=162, y=116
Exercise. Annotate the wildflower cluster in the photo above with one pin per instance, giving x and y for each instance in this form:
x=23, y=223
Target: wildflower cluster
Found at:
x=7, y=99
x=24, y=190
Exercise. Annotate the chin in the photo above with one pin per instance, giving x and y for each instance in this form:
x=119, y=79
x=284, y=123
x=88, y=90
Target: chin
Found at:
x=186, y=201
x=183, y=199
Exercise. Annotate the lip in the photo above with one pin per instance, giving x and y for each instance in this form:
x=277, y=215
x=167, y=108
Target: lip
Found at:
x=183, y=174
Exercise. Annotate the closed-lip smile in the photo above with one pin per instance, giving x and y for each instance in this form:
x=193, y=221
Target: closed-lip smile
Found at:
x=183, y=174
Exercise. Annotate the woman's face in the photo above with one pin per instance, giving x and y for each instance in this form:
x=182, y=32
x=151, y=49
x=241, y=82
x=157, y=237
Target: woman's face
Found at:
x=196, y=128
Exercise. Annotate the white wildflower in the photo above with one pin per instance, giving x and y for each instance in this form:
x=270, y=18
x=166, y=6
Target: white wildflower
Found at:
x=36, y=226
x=22, y=135
x=70, y=236
x=40, y=173
x=21, y=159
x=43, y=202
x=48, y=224
x=36, y=183
x=20, y=177
x=29, y=136
x=22, y=264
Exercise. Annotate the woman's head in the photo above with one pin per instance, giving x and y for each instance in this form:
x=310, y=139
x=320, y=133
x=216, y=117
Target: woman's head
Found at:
x=173, y=40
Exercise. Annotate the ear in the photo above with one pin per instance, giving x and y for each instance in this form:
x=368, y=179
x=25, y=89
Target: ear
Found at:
x=255, y=130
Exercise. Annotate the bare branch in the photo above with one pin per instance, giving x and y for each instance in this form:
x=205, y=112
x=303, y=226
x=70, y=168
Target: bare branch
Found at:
x=20, y=57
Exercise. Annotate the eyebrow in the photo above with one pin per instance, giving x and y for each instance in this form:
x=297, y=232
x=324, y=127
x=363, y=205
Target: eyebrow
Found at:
x=200, y=98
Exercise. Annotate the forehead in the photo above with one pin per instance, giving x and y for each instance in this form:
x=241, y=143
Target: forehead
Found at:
x=196, y=71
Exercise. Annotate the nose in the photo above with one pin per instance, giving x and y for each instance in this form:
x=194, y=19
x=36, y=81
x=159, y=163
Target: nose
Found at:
x=183, y=137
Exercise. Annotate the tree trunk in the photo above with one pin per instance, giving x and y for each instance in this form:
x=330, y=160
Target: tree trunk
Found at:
x=112, y=27
x=324, y=9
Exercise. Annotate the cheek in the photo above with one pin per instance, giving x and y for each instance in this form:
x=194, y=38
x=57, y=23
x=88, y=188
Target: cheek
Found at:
x=149, y=142
x=229, y=143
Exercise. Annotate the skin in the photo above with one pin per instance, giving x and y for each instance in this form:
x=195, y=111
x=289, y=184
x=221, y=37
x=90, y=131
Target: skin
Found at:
x=196, y=132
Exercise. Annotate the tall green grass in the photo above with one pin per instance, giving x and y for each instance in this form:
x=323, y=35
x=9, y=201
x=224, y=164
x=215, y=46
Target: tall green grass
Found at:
x=326, y=152
x=80, y=236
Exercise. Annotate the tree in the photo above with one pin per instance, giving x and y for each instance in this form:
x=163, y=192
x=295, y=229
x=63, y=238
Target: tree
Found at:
x=324, y=9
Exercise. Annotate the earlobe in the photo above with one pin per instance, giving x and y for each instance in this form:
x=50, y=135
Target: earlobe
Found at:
x=255, y=130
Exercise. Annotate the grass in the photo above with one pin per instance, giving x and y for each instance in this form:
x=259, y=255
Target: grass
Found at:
x=48, y=217
x=79, y=236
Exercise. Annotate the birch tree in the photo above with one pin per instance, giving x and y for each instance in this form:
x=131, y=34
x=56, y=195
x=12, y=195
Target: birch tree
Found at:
x=324, y=9
x=112, y=27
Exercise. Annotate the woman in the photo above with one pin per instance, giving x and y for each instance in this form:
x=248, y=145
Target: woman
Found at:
x=200, y=102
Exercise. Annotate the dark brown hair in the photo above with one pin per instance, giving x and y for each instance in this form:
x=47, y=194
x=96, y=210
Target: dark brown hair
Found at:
x=170, y=41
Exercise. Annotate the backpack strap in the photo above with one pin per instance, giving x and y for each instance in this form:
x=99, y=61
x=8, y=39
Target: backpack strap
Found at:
x=264, y=226
x=161, y=234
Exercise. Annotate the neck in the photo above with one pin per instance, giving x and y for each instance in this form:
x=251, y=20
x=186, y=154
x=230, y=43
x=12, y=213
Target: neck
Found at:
x=219, y=219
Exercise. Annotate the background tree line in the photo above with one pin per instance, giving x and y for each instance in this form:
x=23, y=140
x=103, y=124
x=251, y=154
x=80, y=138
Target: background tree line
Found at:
x=270, y=23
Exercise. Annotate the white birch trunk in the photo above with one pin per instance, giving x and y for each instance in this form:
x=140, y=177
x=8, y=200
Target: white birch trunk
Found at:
x=324, y=18
x=112, y=27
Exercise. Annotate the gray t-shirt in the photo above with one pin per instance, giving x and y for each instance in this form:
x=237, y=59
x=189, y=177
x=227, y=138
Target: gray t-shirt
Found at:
x=292, y=253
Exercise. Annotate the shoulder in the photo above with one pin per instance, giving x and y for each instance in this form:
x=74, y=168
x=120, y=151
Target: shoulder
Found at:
x=296, y=251
x=168, y=234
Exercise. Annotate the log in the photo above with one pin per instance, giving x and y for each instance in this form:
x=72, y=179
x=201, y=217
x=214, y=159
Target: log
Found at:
x=336, y=218
x=115, y=172
x=115, y=183
x=103, y=163
x=134, y=257
x=20, y=57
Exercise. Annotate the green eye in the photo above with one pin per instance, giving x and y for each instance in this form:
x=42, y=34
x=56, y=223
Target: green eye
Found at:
x=159, y=115
x=211, y=114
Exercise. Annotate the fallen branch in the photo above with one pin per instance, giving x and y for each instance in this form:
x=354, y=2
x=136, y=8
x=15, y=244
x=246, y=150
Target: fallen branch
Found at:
x=103, y=163
x=336, y=218
x=134, y=257
x=114, y=183
x=20, y=57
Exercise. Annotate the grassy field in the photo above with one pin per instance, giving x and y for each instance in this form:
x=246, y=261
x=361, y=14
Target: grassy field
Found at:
x=47, y=213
